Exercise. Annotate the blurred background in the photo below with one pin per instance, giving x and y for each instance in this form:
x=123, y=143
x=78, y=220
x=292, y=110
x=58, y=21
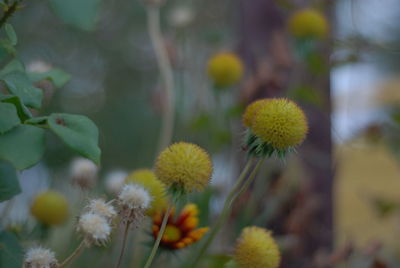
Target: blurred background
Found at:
x=335, y=203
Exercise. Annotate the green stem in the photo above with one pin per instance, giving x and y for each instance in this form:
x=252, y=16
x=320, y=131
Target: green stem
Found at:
x=9, y=12
x=164, y=64
x=232, y=196
x=123, y=244
x=249, y=180
x=159, y=236
x=74, y=254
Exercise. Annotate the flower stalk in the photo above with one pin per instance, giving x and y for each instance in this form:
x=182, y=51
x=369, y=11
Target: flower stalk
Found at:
x=125, y=235
x=164, y=65
x=240, y=186
x=74, y=254
x=159, y=236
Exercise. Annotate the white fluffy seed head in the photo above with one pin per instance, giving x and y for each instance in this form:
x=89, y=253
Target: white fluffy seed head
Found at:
x=134, y=197
x=40, y=258
x=83, y=173
x=94, y=227
x=39, y=66
x=114, y=181
x=181, y=16
x=100, y=207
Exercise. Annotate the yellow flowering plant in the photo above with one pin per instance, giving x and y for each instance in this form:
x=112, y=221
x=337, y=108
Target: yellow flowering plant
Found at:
x=173, y=204
x=274, y=126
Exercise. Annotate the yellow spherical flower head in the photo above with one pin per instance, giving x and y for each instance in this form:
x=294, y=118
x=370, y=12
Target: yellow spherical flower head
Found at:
x=251, y=110
x=308, y=23
x=50, y=208
x=225, y=69
x=181, y=231
x=148, y=180
x=184, y=167
x=256, y=248
x=278, y=125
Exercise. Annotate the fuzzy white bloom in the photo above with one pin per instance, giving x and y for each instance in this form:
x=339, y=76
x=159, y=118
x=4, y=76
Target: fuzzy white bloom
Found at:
x=94, y=227
x=40, y=258
x=115, y=181
x=83, y=173
x=181, y=16
x=134, y=196
x=100, y=207
x=39, y=66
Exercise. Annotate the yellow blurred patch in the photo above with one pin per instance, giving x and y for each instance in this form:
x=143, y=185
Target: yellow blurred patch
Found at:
x=365, y=172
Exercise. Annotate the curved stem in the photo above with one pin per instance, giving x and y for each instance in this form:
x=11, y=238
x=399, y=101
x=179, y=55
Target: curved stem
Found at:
x=74, y=254
x=224, y=213
x=9, y=12
x=159, y=236
x=164, y=64
x=123, y=244
x=249, y=180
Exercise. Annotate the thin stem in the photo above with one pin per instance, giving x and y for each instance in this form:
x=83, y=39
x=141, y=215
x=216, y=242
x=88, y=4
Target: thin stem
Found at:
x=224, y=213
x=74, y=254
x=9, y=12
x=159, y=236
x=123, y=244
x=164, y=64
x=249, y=180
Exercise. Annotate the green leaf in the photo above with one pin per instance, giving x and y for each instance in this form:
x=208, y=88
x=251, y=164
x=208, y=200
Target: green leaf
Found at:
x=6, y=49
x=12, y=36
x=11, y=252
x=42, y=120
x=78, y=13
x=8, y=117
x=23, y=146
x=9, y=185
x=13, y=66
x=57, y=76
x=22, y=110
x=19, y=84
x=78, y=132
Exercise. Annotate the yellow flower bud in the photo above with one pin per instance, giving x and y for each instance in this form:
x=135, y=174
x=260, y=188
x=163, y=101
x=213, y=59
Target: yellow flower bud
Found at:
x=256, y=248
x=251, y=110
x=225, y=69
x=50, y=208
x=280, y=123
x=185, y=166
x=308, y=23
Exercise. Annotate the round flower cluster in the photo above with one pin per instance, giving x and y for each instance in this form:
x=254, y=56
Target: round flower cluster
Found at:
x=184, y=167
x=40, y=258
x=308, y=23
x=148, y=180
x=274, y=125
x=225, y=69
x=256, y=248
x=50, y=208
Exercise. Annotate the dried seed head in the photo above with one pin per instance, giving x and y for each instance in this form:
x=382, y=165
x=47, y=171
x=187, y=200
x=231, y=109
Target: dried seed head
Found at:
x=83, y=173
x=40, y=258
x=100, y=207
x=134, y=201
x=134, y=197
x=95, y=228
x=114, y=181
